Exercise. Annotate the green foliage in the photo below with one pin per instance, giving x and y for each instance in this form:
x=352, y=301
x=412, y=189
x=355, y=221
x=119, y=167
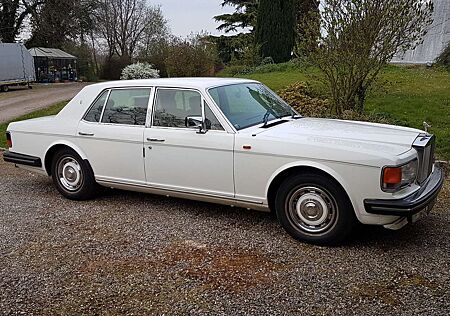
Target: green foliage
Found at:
x=243, y=17
x=266, y=66
x=230, y=49
x=59, y=22
x=307, y=13
x=359, y=37
x=275, y=29
x=112, y=68
x=301, y=98
x=13, y=16
x=194, y=57
x=405, y=96
x=85, y=64
x=444, y=58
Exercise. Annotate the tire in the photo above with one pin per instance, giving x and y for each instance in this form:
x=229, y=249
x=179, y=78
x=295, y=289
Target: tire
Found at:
x=73, y=176
x=4, y=88
x=315, y=209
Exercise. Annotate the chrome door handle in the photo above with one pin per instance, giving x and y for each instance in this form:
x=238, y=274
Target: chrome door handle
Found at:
x=85, y=134
x=156, y=140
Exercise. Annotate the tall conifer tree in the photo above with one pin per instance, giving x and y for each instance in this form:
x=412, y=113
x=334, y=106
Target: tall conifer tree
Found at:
x=275, y=29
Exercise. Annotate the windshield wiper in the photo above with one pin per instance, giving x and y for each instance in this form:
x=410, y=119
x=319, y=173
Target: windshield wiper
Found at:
x=266, y=118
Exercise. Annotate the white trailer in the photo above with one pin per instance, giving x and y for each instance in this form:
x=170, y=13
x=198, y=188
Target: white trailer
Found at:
x=16, y=66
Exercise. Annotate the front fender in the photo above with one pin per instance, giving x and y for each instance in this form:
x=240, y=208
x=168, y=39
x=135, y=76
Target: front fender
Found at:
x=316, y=165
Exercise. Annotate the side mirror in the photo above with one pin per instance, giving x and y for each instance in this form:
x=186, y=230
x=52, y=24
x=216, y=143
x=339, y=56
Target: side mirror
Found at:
x=196, y=122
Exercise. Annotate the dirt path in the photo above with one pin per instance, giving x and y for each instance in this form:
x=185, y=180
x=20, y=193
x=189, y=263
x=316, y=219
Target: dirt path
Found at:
x=22, y=101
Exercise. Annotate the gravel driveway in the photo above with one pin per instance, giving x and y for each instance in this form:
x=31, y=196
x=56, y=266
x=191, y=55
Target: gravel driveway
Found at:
x=130, y=253
x=21, y=100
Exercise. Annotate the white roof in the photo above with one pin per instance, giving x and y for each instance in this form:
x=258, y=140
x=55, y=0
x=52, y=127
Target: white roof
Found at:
x=190, y=83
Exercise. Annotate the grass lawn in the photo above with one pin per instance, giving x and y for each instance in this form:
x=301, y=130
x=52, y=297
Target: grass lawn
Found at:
x=410, y=95
x=54, y=109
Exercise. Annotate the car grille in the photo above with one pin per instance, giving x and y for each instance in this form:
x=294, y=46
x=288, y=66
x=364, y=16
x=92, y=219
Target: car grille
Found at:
x=425, y=146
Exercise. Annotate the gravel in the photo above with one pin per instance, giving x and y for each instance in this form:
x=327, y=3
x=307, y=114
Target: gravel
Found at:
x=134, y=254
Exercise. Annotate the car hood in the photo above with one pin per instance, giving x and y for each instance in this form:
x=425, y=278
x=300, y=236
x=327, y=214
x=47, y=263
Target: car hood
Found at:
x=360, y=135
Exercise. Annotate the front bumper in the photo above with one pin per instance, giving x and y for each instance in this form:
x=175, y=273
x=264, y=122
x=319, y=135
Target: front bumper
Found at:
x=22, y=159
x=411, y=204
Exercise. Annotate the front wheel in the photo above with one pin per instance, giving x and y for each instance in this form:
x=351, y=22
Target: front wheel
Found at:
x=4, y=88
x=314, y=209
x=72, y=176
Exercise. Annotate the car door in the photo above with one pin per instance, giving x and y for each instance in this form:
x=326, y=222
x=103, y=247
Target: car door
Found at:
x=111, y=135
x=181, y=158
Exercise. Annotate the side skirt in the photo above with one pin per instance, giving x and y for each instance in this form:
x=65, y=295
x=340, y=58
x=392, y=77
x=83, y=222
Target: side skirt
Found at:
x=185, y=195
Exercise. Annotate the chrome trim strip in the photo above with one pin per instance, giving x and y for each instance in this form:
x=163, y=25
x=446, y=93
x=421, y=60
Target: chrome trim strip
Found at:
x=185, y=195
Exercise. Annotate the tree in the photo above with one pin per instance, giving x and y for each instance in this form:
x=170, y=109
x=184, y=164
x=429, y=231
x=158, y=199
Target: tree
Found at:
x=125, y=24
x=305, y=11
x=356, y=38
x=191, y=57
x=58, y=22
x=13, y=14
x=275, y=29
x=243, y=17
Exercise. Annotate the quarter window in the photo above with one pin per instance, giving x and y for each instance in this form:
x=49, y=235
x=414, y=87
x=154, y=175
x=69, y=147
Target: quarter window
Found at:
x=211, y=120
x=95, y=112
x=127, y=106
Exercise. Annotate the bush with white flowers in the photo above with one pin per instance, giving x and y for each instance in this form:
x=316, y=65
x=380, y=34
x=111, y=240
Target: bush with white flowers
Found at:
x=139, y=71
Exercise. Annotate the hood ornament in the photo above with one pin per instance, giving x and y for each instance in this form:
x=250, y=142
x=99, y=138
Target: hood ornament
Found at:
x=426, y=126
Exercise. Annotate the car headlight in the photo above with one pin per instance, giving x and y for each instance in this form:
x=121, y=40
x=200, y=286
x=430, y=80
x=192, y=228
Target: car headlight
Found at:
x=396, y=178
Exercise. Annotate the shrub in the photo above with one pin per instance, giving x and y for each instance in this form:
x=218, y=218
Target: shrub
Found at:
x=304, y=100
x=300, y=97
x=192, y=57
x=139, y=71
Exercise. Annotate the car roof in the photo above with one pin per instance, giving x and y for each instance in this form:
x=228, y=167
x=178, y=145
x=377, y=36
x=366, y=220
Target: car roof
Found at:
x=190, y=83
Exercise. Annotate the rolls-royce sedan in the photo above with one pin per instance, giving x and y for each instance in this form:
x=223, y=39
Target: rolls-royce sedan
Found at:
x=234, y=142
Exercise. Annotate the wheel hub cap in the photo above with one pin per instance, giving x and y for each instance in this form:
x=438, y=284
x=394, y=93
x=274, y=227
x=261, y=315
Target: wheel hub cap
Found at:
x=312, y=209
x=69, y=174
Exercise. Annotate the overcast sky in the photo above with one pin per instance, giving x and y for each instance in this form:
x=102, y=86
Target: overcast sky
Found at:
x=186, y=16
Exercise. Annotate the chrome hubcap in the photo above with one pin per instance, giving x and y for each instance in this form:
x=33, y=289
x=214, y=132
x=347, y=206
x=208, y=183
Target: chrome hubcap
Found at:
x=69, y=174
x=312, y=209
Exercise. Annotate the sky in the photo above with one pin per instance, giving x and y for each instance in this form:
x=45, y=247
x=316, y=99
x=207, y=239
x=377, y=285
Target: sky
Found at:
x=186, y=16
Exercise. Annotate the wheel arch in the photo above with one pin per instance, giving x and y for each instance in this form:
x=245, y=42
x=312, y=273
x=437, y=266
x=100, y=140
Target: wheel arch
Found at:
x=54, y=147
x=302, y=167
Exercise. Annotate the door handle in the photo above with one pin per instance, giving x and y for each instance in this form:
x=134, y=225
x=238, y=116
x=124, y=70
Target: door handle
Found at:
x=85, y=134
x=156, y=140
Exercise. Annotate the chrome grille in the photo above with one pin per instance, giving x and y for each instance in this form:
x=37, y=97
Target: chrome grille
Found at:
x=425, y=146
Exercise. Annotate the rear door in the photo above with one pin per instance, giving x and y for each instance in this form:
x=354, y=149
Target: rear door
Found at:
x=111, y=135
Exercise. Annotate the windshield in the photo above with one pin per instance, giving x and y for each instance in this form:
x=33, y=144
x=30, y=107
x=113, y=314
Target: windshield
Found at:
x=249, y=104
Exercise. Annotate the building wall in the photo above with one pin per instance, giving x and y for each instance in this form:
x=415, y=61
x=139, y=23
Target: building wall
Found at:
x=436, y=39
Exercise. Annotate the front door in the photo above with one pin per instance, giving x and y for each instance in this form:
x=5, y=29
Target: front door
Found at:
x=178, y=156
x=111, y=135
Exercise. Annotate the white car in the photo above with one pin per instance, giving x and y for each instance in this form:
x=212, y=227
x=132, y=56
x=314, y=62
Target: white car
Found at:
x=235, y=142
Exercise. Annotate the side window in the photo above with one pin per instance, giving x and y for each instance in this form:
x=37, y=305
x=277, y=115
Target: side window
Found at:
x=127, y=106
x=173, y=106
x=95, y=112
x=212, y=122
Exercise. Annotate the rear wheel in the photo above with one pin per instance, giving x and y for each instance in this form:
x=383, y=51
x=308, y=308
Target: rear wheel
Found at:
x=4, y=88
x=315, y=209
x=73, y=176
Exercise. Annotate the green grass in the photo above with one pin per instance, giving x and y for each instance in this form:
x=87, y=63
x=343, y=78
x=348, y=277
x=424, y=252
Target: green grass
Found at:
x=409, y=95
x=52, y=110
